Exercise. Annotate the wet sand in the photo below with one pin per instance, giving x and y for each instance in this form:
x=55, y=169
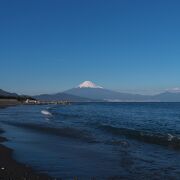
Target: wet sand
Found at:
x=10, y=169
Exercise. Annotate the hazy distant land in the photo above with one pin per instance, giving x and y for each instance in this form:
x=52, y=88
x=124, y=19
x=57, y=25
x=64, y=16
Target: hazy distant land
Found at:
x=90, y=92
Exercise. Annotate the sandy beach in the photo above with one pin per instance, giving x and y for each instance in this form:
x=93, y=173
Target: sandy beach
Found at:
x=8, y=102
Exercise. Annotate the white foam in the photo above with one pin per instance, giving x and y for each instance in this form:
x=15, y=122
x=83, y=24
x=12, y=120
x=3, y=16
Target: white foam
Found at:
x=170, y=137
x=46, y=113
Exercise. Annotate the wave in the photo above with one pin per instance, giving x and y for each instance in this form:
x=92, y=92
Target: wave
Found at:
x=68, y=132
x=46, y=113
x=154, y=138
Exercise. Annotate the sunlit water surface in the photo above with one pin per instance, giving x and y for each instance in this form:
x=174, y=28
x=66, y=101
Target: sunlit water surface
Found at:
x=101, y=140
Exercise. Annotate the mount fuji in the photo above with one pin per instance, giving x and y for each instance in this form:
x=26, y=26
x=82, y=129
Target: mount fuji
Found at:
x=90, y=92
x=88, y=89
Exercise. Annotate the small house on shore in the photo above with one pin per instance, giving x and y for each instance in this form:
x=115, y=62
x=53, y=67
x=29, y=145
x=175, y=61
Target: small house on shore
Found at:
x=30, y=101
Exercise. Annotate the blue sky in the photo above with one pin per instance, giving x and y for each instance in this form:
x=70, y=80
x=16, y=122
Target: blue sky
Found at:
x=48, y=46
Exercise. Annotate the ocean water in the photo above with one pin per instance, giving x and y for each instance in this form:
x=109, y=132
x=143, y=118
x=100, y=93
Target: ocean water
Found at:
x=97, y=140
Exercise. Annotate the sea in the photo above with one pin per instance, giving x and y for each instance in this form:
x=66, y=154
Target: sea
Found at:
x=96, y=140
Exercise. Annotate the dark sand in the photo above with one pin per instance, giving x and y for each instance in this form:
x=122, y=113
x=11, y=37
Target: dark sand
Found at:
x=8, y=102
x=10, y=169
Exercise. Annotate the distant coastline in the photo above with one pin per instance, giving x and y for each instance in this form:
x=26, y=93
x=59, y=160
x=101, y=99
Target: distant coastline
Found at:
x=87, y=92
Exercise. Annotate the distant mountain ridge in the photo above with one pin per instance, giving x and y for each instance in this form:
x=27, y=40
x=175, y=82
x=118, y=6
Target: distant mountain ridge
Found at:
x=168, y=97
x=104, y=94
x=113, y=96
x=7, y=94
x=62, y=97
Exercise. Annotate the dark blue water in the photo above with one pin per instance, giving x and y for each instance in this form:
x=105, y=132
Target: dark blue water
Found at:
x=101, y=140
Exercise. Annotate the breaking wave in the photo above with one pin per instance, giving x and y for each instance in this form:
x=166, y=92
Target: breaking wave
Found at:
x=46, y=113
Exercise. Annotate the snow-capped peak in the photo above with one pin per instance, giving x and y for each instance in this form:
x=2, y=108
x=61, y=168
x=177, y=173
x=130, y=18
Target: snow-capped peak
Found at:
x=88, y=84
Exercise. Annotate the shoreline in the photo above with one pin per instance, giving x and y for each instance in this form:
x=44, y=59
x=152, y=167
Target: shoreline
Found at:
x=10, y=169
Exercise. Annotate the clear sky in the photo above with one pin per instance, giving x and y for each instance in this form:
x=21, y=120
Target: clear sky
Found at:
x=48, y=46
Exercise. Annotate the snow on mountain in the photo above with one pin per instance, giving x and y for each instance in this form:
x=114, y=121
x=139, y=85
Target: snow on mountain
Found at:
x=88, y=84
